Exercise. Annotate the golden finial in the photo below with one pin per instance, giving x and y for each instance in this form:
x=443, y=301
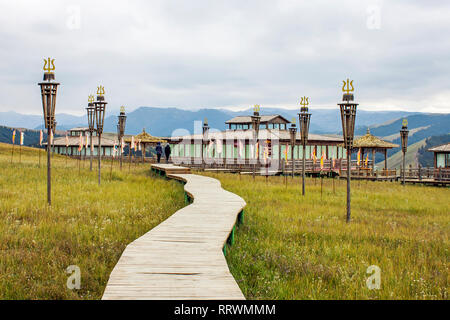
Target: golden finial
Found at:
x=100, y=90
x=91, y=98
x=304, y=102
x=405, y=122
x=256, y=107
x=349, y=85
x=122, y=110
x=49, y=65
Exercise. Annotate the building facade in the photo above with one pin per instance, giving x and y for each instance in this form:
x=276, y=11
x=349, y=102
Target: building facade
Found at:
x=70, y=146
x=237, y=145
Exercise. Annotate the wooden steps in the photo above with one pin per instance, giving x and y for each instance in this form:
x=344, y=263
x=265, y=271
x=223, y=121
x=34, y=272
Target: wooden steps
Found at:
x=182, y=257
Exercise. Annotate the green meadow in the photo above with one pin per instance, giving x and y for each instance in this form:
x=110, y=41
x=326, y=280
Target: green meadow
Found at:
x=87, y=225
x=295, y=247
x=289, y=247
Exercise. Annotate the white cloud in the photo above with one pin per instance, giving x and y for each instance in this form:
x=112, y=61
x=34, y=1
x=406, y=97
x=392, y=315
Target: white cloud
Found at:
x=226, y=53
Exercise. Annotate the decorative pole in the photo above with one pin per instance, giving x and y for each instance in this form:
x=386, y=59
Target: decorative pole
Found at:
x=91, y=122
x=404, y=137
x=293, y=132
x=304, y=118
x=49, y=89
x=256, y=119
x=204, y=138
x=348, y=116
x=121, y=131
x=100, y=106
x=53, y=137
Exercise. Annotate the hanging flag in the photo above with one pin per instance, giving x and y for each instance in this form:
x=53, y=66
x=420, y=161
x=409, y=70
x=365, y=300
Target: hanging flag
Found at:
x=322, y=159
x=359, y=157
x=51, y=137
x=210, y=148
x=139, y=145
x=14, y=137
x=21, y=138
x=367, y=160
x=87, y=141
x=132, y=143
x=41, y=137
x=122, y=144
x=67, y=141
x=314, y=155
x=266, y=152
x=334, y=162
x=219, y=146
x=286, y=154
x=115, y=149
x=241, y=149
x=257, y=149
x=80, y=146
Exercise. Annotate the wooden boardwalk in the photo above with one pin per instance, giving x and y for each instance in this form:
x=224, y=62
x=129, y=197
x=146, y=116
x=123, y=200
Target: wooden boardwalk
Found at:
x=182, y=258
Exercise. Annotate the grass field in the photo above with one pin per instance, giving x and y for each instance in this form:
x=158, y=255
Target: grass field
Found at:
x=87, y=225
x=294, y=247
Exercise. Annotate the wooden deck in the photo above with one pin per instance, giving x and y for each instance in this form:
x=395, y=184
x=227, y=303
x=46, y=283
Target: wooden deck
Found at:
x=166, y=169
x=182, y=258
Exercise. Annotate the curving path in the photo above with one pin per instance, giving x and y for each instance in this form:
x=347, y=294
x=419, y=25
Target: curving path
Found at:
x=182, y=257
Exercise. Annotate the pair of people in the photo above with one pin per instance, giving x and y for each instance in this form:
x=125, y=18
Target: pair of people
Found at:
x=159, y=152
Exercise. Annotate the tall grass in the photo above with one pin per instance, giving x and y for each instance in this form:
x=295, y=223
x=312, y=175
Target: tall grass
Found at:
x=87, y=225
x=295, y=247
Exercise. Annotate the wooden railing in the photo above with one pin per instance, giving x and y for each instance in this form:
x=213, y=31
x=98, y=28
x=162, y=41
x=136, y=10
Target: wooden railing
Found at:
x=440, y=174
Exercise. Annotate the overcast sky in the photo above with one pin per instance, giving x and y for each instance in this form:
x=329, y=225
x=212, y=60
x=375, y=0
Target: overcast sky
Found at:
x=215, y=54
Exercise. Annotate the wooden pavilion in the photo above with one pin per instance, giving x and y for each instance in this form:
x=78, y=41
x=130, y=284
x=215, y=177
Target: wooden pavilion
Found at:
x=370, y=143
x=144, y=139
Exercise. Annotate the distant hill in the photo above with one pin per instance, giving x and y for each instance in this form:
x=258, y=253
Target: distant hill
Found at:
x=396, y=160
x=421, y=126
x=31, y=137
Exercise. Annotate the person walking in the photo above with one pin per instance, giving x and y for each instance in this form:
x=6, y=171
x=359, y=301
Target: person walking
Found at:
x=159, y=151
x=167, y=152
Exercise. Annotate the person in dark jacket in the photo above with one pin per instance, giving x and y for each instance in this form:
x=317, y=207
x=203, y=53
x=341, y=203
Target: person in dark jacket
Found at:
x=158, y=151
x=167, y=152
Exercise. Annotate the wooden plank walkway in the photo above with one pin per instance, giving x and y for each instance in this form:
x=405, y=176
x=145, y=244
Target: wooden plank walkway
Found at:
x=182, y=257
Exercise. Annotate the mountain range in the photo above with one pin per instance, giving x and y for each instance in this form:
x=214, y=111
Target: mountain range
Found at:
x=163, y=121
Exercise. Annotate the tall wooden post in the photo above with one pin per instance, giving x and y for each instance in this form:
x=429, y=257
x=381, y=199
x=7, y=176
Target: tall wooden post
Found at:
x=349, y=169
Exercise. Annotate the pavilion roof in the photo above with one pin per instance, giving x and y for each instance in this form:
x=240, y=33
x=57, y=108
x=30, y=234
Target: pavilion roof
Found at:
x=370, y=141
x=441, y=148
x=248, y=119
x=145, y=138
